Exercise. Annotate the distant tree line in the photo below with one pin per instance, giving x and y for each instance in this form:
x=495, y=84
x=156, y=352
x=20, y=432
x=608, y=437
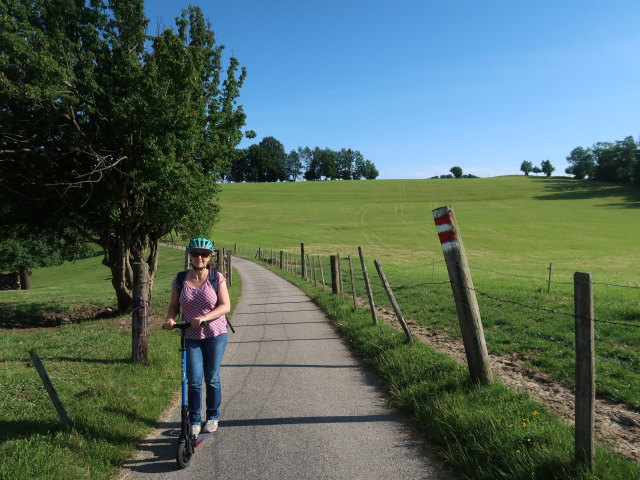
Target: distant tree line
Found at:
x=456, y=172
x=268, y=161
x=545, y=167
x=617, y=162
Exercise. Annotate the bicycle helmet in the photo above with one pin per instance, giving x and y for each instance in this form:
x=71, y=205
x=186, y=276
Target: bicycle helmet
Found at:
x=201, y=244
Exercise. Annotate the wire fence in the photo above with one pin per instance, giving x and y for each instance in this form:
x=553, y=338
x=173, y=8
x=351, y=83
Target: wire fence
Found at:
x=519, y=316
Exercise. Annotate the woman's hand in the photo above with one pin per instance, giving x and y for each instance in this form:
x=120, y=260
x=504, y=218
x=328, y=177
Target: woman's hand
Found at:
x=197, y=322
x=168, y=325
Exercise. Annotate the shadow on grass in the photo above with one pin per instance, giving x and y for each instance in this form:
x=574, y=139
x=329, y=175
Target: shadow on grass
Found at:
x=11, y=430
x=571, y=189
x=43, y=315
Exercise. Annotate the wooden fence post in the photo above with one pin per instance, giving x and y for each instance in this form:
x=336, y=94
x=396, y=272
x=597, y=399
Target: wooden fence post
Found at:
x=334, y=274
x=549, y=281
x=353, y=282
x=229, y=270
x=321, y=272
x=218, y=257
x=392, y=299
x=46, y=381
x=302, y=262
x=281, y=259
x=340, y=289
x=367, y=285
x=464, y=295
x=313, y=269
x=139, y=316
x=585, y=369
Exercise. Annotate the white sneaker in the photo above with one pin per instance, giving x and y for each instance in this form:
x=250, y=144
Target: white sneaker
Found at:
x=210, y=426
x=195, y=430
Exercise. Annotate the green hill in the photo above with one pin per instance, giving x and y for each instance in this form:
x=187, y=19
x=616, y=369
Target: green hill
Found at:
x=516, y=223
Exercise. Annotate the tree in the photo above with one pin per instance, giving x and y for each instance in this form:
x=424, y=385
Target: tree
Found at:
x=24, y=248
x=370, y=170
x=547, y=168
x=526, y=167
x=581, y=163
x=615, y=162
x=119, y=135
x=293, y=166
x=345, y=163
x=536, y=170
x=456, y=172
x=265, y=161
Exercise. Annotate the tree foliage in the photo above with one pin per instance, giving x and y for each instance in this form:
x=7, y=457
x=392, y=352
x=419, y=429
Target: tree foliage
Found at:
x=526, y=167
x=617, y=161
x=118, y=135
x=581, y=163
x=456, y=172
x=267, y=162
x=547, y=168
x=23, y=248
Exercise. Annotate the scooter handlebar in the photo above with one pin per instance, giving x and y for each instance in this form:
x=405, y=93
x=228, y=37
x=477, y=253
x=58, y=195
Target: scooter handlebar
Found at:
x=180, y=325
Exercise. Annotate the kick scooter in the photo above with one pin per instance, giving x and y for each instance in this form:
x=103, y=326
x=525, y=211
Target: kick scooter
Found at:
x=186, y=442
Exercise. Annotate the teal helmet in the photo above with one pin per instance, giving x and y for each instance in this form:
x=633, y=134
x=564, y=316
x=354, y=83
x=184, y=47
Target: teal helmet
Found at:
x=201, y=244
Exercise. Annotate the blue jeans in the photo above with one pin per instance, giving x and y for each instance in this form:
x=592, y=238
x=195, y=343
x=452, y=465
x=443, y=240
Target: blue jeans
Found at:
x=204, y=358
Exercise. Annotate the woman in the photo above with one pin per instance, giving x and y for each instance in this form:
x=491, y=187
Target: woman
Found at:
x=206, y=338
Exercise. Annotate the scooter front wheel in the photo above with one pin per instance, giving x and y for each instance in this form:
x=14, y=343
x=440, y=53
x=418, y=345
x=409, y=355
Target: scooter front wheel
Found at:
x=183, y=456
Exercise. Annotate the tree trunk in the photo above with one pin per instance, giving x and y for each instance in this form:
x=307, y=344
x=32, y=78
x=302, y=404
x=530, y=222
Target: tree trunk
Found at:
x=117, y=259
x=25, y=278
x=152, y=259
x=120, y=260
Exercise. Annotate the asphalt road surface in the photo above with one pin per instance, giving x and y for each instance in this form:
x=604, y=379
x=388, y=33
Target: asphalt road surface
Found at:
x=296, y=403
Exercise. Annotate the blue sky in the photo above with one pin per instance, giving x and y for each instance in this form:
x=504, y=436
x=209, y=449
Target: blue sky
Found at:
x=421, y=86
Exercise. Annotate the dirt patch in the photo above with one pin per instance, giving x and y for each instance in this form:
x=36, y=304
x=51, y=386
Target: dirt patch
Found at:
x=24, y=323
x=153, y=321
x=616, y=424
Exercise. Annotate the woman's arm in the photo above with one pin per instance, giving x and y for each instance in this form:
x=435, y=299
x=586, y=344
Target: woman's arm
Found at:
x=172, y=311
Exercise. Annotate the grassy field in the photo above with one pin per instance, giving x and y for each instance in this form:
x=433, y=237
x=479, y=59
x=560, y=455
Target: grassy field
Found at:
x=520, y=224
x=513, y=228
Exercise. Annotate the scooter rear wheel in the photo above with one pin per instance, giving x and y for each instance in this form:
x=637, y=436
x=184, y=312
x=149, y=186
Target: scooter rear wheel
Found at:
x=183, y=456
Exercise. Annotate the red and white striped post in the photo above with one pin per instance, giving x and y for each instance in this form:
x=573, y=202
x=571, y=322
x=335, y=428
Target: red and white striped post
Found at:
x=464, y=296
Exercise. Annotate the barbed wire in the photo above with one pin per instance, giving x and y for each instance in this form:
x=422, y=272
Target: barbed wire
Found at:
x=614, y=285
x=360, y=277
x=632, y=364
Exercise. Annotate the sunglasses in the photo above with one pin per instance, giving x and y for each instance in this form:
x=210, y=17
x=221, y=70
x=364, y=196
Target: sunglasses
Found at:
x=200, y=254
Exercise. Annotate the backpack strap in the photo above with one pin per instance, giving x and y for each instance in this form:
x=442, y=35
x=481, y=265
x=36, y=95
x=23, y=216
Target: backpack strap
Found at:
x=214, y=280
x=180, y=278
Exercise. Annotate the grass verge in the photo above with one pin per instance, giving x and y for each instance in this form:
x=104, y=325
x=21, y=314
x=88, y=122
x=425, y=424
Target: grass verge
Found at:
x=112, y=402
x=483, y=432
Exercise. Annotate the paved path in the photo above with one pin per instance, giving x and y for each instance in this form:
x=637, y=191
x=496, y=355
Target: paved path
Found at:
x=296, y=403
